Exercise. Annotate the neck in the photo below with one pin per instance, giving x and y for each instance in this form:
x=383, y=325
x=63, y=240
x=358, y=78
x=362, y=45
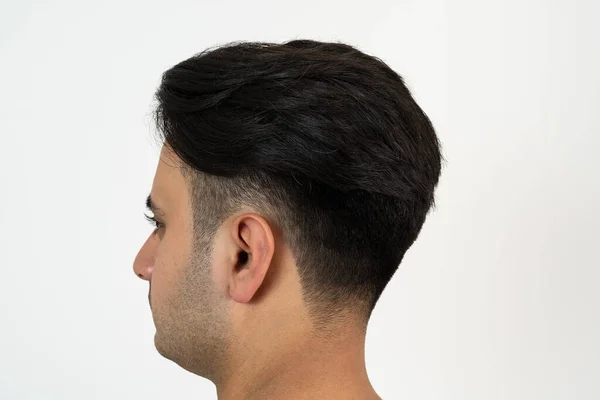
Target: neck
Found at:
x=296, y=368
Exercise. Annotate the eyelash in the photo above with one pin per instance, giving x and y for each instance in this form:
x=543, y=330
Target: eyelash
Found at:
x=154, y=222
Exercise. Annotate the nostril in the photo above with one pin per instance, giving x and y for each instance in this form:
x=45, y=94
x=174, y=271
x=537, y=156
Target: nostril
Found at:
x=140, y=275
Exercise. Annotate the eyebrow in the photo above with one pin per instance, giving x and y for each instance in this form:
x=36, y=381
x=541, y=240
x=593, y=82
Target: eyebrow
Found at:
x=153, y=207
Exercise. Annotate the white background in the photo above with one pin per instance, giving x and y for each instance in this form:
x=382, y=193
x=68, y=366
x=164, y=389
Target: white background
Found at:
x=499, y=297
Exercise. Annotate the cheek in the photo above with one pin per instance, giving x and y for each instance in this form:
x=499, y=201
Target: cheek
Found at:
x=169, y=266
x=221, y=262
x=161, y=284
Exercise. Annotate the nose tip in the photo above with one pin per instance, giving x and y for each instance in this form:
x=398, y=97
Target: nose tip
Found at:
x=143, y=265
x=144, y=273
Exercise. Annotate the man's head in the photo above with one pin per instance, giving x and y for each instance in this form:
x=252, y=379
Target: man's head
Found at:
x=292, y=180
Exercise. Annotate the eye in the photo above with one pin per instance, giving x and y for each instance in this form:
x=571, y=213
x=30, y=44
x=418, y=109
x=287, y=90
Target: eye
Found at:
x=154, y=222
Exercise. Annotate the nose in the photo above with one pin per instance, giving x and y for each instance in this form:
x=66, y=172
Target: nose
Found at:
x=143, y=265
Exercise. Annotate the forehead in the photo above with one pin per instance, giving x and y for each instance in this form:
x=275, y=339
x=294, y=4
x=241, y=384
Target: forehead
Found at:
x=169, y=184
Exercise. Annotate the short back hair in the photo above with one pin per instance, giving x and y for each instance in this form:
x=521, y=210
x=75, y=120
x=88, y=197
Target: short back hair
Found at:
x=325, y=140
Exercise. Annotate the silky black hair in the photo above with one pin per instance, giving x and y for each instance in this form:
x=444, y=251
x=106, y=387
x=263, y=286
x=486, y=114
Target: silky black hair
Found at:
x=325, y=140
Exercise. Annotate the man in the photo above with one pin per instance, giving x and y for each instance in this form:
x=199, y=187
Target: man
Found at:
x=292, y=180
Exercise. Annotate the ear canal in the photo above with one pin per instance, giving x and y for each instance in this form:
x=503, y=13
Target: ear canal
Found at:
x=242, y=259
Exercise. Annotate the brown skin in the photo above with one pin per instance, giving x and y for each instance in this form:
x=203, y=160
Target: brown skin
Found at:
x=241, y=324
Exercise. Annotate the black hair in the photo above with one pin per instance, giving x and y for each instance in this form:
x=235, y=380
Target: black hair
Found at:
x=325, y=140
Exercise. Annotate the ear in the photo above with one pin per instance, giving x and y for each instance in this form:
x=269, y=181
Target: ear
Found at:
x=254, y=244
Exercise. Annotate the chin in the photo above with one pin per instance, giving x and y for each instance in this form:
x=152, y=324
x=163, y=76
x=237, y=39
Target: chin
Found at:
x=168, y=352
x=160, y=346
x=177, y=356
x=157, y=343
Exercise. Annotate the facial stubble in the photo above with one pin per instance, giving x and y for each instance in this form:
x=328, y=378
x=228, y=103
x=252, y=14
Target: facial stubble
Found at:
x=192, y=329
